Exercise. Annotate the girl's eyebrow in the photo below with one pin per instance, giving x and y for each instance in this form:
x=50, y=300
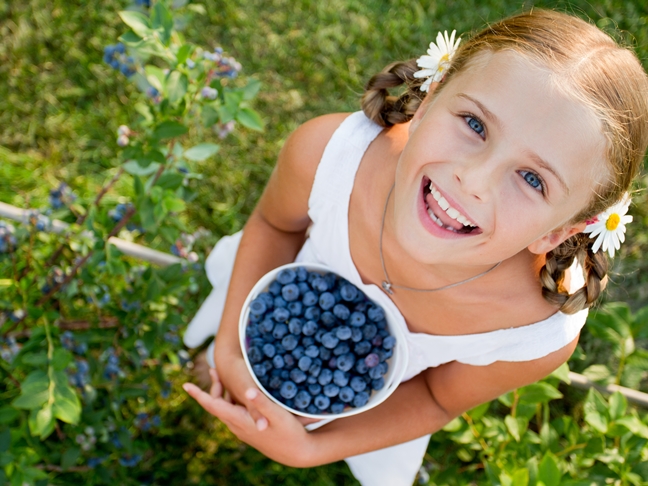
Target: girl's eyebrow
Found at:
x=490, y=116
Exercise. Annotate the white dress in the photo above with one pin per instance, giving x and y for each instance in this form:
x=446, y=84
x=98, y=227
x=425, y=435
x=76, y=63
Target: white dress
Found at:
x=328, y=243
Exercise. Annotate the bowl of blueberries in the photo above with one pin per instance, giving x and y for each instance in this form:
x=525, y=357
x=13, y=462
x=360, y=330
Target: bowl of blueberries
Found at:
x=317, y=346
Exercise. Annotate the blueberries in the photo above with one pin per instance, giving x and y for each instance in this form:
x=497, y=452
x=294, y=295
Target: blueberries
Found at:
x=290, y=292
x=326, y=301
x=329, y=340
x=346, y=394
x=316, y=343
x=288, y=389
x=322, y=402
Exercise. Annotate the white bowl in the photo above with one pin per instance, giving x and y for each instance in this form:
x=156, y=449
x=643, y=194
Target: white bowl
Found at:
x=397, y=362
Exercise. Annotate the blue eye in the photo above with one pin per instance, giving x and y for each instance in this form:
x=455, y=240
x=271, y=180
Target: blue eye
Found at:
x=533, y=180
x=475, y=125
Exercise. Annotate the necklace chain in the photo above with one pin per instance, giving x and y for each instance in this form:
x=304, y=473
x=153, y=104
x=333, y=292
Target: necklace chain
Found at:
x=387, y=285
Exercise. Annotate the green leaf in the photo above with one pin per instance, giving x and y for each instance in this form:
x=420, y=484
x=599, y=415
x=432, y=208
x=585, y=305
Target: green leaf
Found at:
x=479, y=411
x=169, y=129
x=520, y=478
x=595, y=410
x=201, y=151
x=618, y=405
x=640, y=324
x=513, y=427
x=8, y=414
x=67, y=406
x=209, y=116
x=5, y=440
x=69, y=457
x=134, y=167
x=130, y=38
x=548, y=471
x=174, y=204
x=250, y=118
x=138, y=186
x=34, y=391
x=562, y=373
x=61, y=358
x=184, y=52
x=136, y=21
x=539, y=393
x=41, y=422
x=34, y=359
x=251, y=90
x=176, y=86
x=597, y=372
x=161, y=18
x=156, y=77
x=170, y=180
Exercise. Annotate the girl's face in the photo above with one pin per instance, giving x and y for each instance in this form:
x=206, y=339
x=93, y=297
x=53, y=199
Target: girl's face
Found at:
x=500, y=161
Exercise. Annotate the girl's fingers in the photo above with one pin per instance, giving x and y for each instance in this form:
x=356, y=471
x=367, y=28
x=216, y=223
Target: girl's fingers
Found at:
x=216, y=390
x=226, y=412
x=267, y=409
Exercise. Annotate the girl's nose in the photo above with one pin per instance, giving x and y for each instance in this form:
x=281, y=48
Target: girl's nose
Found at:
x=476, y=178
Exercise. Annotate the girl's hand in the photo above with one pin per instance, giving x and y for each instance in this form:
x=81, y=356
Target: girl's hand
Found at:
x=277, y=433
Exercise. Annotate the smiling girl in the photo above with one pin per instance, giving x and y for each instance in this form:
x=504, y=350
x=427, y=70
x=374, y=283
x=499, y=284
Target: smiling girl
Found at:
x=467, y=207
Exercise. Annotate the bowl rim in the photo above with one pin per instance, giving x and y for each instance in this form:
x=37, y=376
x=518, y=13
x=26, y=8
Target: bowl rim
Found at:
x=398, y=361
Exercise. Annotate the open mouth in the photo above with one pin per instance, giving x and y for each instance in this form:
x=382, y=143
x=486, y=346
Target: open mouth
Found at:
x=443, y=214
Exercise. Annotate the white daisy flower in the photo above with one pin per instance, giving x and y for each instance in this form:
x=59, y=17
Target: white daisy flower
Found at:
x=438, y=59
x=609, y=227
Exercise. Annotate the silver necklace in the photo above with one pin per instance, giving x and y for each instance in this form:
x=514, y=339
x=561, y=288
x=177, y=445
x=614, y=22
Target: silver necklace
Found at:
x=387, y=285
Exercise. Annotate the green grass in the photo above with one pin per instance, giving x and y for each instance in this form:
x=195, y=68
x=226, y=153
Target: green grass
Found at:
x=60, y=107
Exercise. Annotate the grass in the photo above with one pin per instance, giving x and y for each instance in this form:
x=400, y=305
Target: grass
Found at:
x=60, y=107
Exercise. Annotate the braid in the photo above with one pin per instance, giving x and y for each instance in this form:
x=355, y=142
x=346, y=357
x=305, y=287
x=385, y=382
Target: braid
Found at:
x=559, y=260
x=387, y=110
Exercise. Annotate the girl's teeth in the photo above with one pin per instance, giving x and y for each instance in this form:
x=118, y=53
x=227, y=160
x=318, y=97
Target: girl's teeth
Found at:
x=462, y=220
x=453, y=213
x=450, y=211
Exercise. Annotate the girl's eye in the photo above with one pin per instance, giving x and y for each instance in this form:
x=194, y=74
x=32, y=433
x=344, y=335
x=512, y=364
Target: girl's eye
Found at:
x=533, y=180
x=475, y=125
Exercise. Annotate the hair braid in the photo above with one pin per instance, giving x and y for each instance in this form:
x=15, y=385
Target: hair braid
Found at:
x=387, y=110
x=559, y=260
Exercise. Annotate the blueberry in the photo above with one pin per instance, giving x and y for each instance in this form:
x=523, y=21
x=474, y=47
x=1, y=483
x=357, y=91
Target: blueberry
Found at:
x=378, y=383
x=266, y=325
x=266, y=298
x=307, y=341
x=343, y=333
x=257, y=342
x=312, y=351
x=279, y=331
x=372, y=360
x=328, y=319
x=346, y=394
x=330, y=279
x=315, y=389
x=377, y=340
x=319, y=284
x=361, y=306
x=312, y=313
x=322, y=402
x=329, y=340
x=312, y=409
x=357, y=319
x=286, y=276
x=331, y=390
x=340, y=378
x=315, y=369
x=279, y=302
x=295, y=308
x=358, y=384
x=309, y=299
x=267, y=365
x=311, y=380
x=356, y=335
x=324, y=353
x=254, y=355
x=275, y=288
x=348, y=292
x=325, y=377
x=289, y=360
x=303, y=288
x=295, y=326
x=332, y=363
x=290, y=292
x=369, y=331
x=375, y=372
x=289, y=342
x=302, y=400
x=298, y=352
x=285, y=375
x=346, y=361
x=309, y=328
x=297, y=375
x=318, y=335
x=288, y=389
x=361, y=367
x=337, y=407
x=341, y=348
x=362, y=348
x=326, y=301
x=361, y=399
x=269, y=350
x=275, y=382
x=301, y=274
x=255, y=317
x=281, y=314
x=389, y=342
x=341, y=311
x=258, y=369
x=304, y=363
x=252, y=331
x=258, y=306
x=382, y=325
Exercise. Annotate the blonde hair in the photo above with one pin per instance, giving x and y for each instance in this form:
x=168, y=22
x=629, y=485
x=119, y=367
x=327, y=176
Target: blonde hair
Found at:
x=587, y=65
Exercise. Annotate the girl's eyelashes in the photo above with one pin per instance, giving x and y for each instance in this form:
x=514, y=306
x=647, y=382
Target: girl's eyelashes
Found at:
x=475, y=124
x=533, y=180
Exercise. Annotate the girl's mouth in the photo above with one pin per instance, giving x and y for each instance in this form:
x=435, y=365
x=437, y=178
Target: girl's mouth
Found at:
x=444, y=215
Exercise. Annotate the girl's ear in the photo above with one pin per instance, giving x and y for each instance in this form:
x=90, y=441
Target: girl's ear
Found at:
x=552, y=240
x=422, y=109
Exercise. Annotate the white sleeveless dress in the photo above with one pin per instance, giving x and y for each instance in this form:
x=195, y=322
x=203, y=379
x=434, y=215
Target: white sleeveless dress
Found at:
x=328, y=243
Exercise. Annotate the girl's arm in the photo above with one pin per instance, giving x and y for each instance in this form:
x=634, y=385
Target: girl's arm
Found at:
x=272, y=237
x=419, y=406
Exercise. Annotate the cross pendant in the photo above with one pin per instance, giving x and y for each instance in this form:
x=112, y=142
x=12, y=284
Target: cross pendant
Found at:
x=386, y=286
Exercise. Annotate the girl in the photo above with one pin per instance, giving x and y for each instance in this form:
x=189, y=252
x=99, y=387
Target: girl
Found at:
x=465, y=210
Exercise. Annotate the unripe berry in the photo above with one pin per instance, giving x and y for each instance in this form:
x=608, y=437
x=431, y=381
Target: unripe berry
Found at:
x=122, y=140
